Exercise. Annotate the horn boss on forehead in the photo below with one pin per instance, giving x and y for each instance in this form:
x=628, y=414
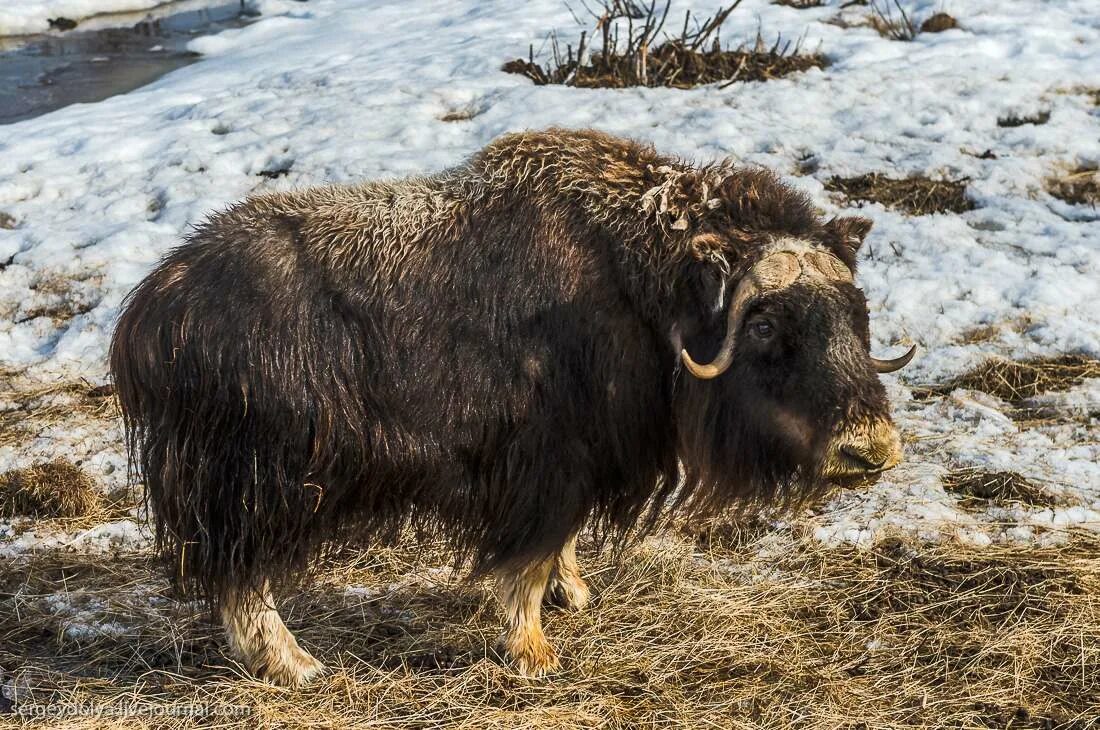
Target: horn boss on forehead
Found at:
x=773, y=272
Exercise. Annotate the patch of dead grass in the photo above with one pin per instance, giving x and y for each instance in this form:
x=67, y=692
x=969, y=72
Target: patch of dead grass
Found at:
x=800, y=4
x=692, y=58
x=53, y=489
x=891, y=21
x=1021, y=382
x=60, y=297
x=914, y=195
x=1079, y=186
x=1019, y=120
x=898, y=635
x=461, y=115
x=938, y=23
x=1018, y=380
x=34, y=407
x=979, y=487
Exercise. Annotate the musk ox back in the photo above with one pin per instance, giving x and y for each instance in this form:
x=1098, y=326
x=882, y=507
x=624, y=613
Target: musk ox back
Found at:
x=498, y=354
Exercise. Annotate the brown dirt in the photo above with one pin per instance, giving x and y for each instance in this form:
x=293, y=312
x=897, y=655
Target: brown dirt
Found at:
x=691, y=59
x=7, y=221
x=915, y=195
x=979, y=487
x=55, y=489
x=898, y=635
x=938, y=23
x=1080, y=186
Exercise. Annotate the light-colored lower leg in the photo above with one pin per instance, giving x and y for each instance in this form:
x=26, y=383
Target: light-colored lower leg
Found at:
x=261, y=641
x=567, y=589
x=521, y=595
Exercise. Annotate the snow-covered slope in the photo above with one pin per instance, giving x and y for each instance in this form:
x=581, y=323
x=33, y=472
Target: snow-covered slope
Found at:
x=340, y=90
x=22, y=17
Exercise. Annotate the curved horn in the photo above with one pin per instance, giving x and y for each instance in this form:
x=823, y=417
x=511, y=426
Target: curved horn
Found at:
x=773, y=272
x=746, y=290
x=889, y=366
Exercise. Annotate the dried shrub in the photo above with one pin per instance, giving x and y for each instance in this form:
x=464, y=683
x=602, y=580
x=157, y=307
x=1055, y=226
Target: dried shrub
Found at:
x=938, y=23
x=915, y=195
x=55, y=489
x=899, y=27
x=692, y=58
x=999, y=487
x=1081, y=186
x=1013, y=120
x=800, y=4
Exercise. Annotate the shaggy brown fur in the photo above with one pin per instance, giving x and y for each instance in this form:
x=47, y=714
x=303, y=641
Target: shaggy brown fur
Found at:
x=490, y=353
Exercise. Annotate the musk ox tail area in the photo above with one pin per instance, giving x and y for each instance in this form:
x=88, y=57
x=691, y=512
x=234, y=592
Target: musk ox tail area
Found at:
x=223, y=417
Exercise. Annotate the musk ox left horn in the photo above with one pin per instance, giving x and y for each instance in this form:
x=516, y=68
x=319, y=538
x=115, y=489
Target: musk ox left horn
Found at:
x=773, y=272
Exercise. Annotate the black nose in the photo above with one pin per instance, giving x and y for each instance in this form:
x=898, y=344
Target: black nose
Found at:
x=864, y=459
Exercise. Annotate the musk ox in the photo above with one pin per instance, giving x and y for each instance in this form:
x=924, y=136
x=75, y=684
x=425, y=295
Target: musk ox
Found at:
x=568, y=328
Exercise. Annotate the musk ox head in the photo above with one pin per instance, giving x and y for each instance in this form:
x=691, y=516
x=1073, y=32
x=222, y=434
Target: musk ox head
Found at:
x=779, y=393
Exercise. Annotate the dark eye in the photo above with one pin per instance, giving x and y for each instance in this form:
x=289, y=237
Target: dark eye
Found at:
x=762, y=329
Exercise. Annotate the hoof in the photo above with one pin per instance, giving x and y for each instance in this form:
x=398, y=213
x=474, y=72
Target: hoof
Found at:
x=533, y=659
x=571, y=594
x=291, y=667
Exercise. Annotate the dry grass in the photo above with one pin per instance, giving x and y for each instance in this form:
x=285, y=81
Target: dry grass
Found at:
x=891, y=21
x=800, y=4
x=895, y=636
x=692, y=58
x=461, y=115
x=60, y=297
x=1080, y=186
x=1019, y=383
x=1017, y=380
x=938, y=23
x=32, y=408
x=54, y=489
x=979, y=487
x=992, y=331
x=7, y=221
x=915, y=195
x=1014, y=120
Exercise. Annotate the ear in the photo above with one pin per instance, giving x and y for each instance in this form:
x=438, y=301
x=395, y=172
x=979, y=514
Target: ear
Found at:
x=846, y=234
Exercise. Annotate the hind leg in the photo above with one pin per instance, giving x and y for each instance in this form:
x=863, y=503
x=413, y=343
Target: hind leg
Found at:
x=261, y=641
x=521, y=593
x=567, y=589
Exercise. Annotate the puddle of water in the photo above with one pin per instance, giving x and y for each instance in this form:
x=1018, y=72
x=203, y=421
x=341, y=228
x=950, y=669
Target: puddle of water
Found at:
x=41, y=73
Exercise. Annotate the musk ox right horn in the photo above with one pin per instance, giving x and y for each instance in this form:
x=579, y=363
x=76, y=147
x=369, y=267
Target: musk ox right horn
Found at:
x=889, y=366
x=777, y=271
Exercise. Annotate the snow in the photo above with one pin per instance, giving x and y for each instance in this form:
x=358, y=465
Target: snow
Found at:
x=346, y=90
x=22, y=17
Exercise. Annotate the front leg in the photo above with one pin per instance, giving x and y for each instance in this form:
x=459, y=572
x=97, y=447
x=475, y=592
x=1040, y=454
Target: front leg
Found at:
x=521, y=593
x=567, y=589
